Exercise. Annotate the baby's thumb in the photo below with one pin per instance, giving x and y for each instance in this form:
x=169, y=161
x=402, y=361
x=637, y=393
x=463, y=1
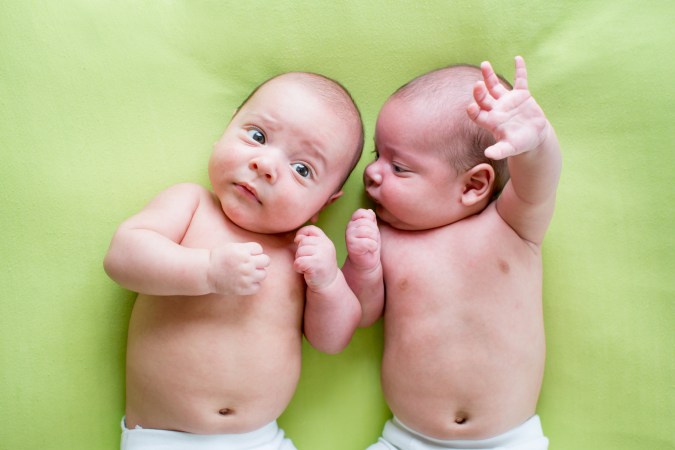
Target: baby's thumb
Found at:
x=500, y=150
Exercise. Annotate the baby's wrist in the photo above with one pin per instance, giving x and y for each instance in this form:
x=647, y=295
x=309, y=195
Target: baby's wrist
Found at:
x=548, y=138
x=324, y=285
x=365, y=269
x=211, y=280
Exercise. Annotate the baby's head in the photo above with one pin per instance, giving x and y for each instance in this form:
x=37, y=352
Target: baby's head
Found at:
x=446, y=93
x=286, y=152
x=431, y=168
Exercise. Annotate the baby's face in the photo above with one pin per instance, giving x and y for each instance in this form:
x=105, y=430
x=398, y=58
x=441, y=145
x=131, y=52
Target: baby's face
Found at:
x=281, y=158
x=413, y=186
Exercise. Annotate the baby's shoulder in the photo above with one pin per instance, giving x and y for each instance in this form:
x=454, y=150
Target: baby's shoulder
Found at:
x=489, y=230
x=184, y=196
x=177, y=202
x=194, y=200
x=192, y=193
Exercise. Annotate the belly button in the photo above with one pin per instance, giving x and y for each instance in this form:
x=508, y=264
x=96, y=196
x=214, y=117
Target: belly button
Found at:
x=225, y=412
x=460, y=419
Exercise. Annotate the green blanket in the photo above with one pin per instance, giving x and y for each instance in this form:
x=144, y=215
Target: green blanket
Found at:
x=105, y=103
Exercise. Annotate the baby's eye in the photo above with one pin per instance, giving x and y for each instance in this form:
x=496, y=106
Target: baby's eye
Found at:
x=256, y=135
x=302, y=169
x=398, y=169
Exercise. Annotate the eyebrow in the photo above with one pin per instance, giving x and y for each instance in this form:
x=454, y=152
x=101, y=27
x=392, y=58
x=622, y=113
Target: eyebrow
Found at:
x=315, y=153
x=268, y=120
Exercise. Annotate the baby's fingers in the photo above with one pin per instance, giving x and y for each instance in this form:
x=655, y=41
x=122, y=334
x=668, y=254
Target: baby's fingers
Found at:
x=256, y=276
x=302, y=263
x=361, y=240
x=362, y=229
x=363, y=234
x=500, y=150
x=307, y=247
x=521, y=74
x=250, y=280
x=484, y=100
x=255, y=254
x=309, y=231
x=492, y=82
x=260, y=261
x=362, y=216
x=478, y=115
x=253, y=248
x=363, y=246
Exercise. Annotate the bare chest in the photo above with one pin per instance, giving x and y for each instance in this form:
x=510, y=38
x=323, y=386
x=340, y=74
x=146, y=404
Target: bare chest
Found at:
x=282, y=293
x=446, y=272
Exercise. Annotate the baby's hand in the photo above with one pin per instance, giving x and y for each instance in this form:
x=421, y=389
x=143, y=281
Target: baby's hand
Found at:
x=315, y=257
x=513, y=117
x=363, y=240
x=237, y=268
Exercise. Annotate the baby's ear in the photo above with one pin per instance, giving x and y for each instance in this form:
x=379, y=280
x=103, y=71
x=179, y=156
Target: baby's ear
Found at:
x=478, y=182
x=315, y=217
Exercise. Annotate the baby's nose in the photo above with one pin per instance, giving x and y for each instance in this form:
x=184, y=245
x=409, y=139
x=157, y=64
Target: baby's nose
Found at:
x=265, y=168
x=372, y=176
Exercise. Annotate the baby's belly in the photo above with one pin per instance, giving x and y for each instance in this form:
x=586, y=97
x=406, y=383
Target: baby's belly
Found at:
x=200, y=368
x=450, y=378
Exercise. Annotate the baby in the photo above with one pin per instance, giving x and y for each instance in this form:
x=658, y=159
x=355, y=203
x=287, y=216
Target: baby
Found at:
x=215, y=334
x=460, y=256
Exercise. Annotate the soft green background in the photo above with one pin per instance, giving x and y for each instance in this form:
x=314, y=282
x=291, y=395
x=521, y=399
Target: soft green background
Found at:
x=105, y=103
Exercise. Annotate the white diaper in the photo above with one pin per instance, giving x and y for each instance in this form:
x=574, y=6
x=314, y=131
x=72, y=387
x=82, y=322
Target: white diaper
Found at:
x=396, y=436
x=269, y=437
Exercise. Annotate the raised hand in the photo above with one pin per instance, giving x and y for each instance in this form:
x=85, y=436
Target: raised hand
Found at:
x=363, y=240
x=237, y=268
x=315, y=257
x=512, y=116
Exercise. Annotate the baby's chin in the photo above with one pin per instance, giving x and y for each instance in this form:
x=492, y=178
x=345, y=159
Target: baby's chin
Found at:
x=385, y=216
x=258, y=226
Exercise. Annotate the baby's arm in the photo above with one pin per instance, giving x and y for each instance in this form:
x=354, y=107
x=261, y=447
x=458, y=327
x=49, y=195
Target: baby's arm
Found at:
x=363, y=269
x=528, y=140
x=146, y=256
x=332, y=311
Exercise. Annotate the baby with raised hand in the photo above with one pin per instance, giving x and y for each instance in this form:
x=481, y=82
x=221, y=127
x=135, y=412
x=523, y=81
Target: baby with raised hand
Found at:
x=464, y=186
x=229, y=279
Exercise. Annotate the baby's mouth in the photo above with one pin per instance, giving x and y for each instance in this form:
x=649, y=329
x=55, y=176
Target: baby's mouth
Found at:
x=372, y=198
x=247, y=191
